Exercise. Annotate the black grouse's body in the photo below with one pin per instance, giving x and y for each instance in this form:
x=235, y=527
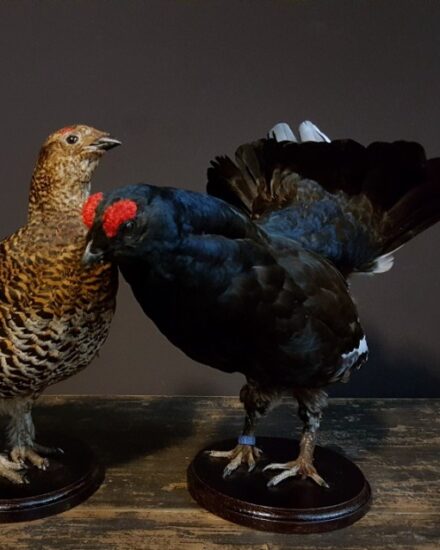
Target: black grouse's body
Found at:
x=253, y=277
x=231, y=296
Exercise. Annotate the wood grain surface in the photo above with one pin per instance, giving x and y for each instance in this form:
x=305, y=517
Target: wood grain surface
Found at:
x=146, y=444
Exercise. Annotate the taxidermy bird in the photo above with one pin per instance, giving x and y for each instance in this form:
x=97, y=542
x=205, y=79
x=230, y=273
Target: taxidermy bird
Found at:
x=55, y=313
x=253, y=276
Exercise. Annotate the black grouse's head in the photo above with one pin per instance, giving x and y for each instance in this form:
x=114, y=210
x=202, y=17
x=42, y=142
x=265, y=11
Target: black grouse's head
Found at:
x=117, y=221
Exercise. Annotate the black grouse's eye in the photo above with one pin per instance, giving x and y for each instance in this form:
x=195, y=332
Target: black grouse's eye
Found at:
x=72, y=139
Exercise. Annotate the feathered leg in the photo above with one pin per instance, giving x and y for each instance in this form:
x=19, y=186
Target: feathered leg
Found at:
x=256, y=403
x=19, y=424
x=21, y=436
x=311, y=403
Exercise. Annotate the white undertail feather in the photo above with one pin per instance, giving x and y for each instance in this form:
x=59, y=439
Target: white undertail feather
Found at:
x=282, y=132
x=307, y=131
x=353, y=355
x=383, y=263
x=348, y=360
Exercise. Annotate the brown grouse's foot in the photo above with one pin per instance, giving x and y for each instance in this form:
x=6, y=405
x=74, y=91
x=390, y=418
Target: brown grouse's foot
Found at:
x=241, y=454
x=10, y=471
x=300, y=466
x=20, y=454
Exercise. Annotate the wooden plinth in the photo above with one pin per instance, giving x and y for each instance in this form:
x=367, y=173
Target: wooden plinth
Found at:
x=295, y=505
x=70, y=479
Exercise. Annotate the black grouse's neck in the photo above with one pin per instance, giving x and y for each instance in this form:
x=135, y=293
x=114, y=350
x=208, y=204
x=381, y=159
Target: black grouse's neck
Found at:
x=180, y=233
x=199, y=214
x=169, y=215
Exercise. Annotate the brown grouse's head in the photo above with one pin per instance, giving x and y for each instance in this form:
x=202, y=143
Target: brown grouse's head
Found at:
x=66, y=164
x=76, y=150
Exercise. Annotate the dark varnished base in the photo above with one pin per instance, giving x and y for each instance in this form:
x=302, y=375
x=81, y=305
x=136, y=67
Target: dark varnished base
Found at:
x=295, y=505
x=70, y=479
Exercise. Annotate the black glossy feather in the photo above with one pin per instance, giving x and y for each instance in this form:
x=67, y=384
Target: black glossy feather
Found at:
x=228, y=294
x=349, y=203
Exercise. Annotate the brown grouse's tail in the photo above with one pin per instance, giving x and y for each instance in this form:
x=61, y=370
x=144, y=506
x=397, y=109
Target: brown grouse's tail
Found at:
x=354, y=205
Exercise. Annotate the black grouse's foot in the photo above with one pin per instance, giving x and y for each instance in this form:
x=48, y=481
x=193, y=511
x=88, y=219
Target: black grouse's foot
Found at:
x=299, y=467
x=241, y=454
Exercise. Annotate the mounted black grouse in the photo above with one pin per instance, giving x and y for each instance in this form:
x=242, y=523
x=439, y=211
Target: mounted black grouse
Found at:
x=253, y=279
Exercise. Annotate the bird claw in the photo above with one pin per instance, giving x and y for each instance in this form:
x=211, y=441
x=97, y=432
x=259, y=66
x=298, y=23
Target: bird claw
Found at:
x=20, y=454
x=241, y=454
x=10, y=471
x=291, y=469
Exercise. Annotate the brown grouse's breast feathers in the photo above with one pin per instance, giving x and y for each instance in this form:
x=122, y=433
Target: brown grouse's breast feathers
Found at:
x=54, y=313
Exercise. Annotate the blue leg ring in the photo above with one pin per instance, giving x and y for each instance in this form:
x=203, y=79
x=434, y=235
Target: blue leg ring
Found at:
x=247, y=440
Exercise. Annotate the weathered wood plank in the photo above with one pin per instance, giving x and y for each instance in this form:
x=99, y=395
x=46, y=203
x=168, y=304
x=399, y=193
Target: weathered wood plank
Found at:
x=199, y=529
x=147, y=443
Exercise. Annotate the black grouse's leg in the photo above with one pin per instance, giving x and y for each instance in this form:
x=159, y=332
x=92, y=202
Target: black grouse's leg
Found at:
x=256, y=403
x=311, y=403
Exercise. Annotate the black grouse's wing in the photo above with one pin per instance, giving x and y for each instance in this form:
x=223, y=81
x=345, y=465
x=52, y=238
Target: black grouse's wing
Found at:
x=352, y=204
x=228, y=294
x=273, y=311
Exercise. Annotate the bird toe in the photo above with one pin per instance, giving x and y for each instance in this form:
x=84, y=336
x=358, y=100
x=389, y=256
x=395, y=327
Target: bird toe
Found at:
x=21, y=454
x=9, y=471
x=297, y=467
x=276, y=466
x=232, y=466
x=281, y=477
x=219, y=454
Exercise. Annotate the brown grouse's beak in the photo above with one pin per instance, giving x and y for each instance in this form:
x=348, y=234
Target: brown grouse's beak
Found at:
x=105, y=143
x=91, y=257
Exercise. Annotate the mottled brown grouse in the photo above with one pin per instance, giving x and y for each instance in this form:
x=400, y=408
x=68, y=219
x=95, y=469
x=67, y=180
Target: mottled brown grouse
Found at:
x=55, y=313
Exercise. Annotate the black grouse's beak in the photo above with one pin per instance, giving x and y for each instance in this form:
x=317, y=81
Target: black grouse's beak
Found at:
x=91, y=257
x=105, y=143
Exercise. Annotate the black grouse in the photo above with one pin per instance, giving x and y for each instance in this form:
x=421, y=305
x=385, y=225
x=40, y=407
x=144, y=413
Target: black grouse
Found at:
x=252, y=276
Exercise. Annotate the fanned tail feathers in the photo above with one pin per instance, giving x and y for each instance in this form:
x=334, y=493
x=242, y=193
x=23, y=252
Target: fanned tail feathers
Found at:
x=374, y=199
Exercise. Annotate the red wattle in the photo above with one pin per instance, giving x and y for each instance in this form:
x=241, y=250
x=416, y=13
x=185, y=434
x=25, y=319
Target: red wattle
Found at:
x=115, y=215
x=89, y=209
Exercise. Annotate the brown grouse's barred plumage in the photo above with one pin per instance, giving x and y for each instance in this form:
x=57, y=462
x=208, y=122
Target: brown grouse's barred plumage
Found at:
x=54, y=312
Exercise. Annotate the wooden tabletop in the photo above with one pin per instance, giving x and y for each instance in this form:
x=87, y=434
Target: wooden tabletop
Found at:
x=146, y=444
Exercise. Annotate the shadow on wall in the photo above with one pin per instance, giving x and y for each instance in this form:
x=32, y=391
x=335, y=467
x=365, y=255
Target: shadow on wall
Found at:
x=406, y=371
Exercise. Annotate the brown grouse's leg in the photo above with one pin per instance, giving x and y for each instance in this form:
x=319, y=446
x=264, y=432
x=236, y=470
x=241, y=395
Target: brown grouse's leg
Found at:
x=311, y=403
x=21, y=436
x=256, y=403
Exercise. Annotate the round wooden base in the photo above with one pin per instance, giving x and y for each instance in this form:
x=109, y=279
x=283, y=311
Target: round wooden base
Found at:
x=295, y=505
x=70, y=479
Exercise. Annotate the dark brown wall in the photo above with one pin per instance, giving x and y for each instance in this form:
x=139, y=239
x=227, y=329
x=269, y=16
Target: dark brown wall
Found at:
x=182, y=81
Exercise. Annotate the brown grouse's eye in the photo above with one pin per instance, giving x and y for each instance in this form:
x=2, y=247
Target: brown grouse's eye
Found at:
x=72, y=139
